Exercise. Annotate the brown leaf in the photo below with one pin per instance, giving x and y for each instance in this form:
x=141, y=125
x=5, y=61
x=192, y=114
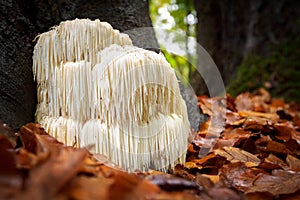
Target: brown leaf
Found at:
x=130, y=186
x=247, y=144
x=277, y=148
x=204, y=182
x=259, y=195
x=296, y=121
x=224, y=193
x=269, y=166
x=293, y=196
x=234, y=119
x=8, y=132
x=284, y=131
x=244, y=102
x=224, y=142
x=29, y=139
x=178, y=196
x=237, y=175
x=205, y=104
x=271, y=118
x=233, y=154
x=26, y=160
x=211, y=160
x=5, y=143
x=280, y=182
x=48, y=178
x=9, y=175
x=172, y=183
x=293, y=146
x=86, y=188
x=294, y=163
x=180, y=171
x=275, y=161
x=235, y=133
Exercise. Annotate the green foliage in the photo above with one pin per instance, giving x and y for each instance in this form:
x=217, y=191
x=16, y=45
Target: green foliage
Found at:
x=178, y=19
x=279, y=72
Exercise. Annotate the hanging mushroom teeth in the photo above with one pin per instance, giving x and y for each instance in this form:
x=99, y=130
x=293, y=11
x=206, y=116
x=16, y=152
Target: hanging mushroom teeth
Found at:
x=96, y=88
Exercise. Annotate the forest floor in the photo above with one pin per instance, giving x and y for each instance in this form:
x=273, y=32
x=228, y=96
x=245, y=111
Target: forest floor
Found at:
x=248, y=148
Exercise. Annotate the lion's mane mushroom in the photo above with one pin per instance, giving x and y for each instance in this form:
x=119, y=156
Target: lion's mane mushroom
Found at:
x=95, y=87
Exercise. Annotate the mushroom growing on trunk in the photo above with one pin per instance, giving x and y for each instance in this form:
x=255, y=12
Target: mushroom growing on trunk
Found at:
x=96, y=88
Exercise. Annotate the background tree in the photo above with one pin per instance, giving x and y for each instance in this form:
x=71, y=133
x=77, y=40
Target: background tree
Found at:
x=262, y=37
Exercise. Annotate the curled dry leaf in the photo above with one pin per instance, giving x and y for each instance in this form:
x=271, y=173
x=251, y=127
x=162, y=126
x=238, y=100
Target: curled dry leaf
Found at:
x=293, y=162
x=172, y=183
x=238, y=175
x=233, y=155
x=280, y=182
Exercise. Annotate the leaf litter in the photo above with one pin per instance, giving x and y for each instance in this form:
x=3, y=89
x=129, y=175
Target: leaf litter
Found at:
x=254, y=153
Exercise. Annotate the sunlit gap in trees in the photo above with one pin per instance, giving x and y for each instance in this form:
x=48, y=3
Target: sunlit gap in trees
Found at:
x=174, y=22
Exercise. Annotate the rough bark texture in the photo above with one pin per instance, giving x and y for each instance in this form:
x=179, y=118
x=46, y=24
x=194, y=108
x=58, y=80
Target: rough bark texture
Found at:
x=17, y=90
x=230, y=30
x=21, y=21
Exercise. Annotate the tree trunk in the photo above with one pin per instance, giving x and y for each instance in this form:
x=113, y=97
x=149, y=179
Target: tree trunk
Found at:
x=22, y=21
x=230, y=30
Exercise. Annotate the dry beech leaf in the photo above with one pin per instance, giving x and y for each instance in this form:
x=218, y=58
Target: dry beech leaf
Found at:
x=46, y=180
x=233, y=154
x=277, y=148
x=234, y=119
x=238, y=175
x=225, y=142
x=223, y=193
x=172, y=183
x=270, y=116
x=293, y=196
x=286, y=131
x=280, y=182
x=210, y=160
x=207, y=181
x=235, y=133
x=130, y=186
x=244, y=102
x=86, y=188
x=276, y=161
x=294, y=163
x=205, y=105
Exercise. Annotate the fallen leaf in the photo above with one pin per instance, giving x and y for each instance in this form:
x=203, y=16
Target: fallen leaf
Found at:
x=8, y=132
x=233, y=154
x=224, y=193
x=205, y=182
x=86, y=188
x=172, y=183
x=47, y=179
x=280, y=182
x=293, y=162
x=277, y=148
x=235, y=133
x=238, y=175
x=130, y=186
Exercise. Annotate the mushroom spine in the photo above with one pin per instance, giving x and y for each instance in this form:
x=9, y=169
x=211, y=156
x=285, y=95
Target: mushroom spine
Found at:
x=95, y=87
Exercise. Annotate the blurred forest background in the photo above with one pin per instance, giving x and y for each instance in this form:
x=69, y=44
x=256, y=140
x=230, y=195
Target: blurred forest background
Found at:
x=254, y=43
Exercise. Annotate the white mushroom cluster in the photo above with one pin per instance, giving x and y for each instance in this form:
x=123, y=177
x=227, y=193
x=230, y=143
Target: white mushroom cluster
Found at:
x=96, y=88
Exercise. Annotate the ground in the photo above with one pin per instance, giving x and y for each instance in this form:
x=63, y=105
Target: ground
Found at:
x=248, y=148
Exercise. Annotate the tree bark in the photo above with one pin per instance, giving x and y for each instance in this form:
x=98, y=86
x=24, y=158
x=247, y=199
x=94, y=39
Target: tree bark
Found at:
x=230, y=30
